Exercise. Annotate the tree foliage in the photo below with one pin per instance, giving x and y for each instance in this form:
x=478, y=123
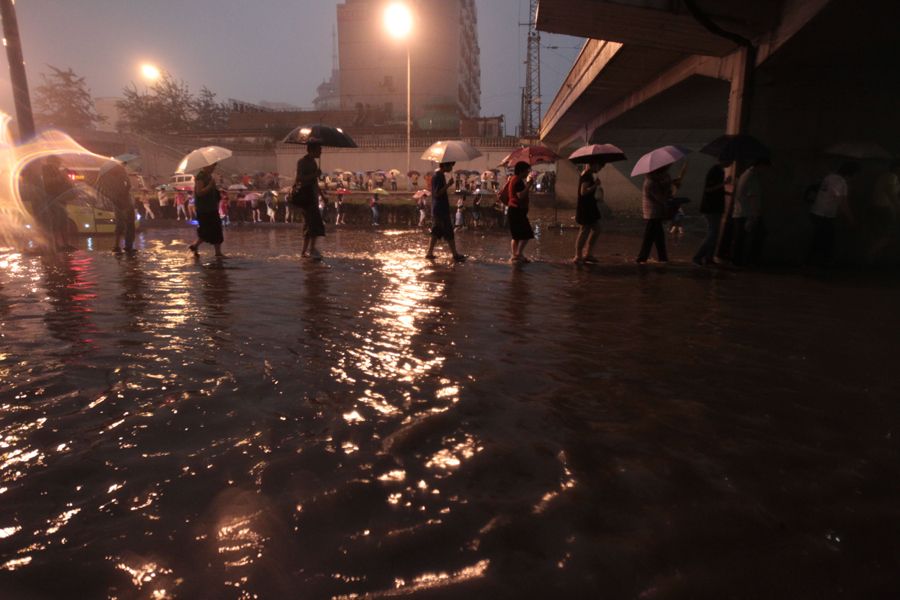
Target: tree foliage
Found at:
x=169, y=107
x=209, y=114
x=64, y=100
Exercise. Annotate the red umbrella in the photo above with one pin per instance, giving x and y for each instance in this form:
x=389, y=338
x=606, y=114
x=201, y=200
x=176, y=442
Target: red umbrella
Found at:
x=533, y=155
x=342, y=192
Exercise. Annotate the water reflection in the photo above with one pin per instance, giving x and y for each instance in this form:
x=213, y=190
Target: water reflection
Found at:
x=381, y=426
x=215, y=286
x=133, y=298
x=70, y=286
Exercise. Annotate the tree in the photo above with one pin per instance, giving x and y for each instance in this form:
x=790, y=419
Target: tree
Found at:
x=64, y=100
x=209, y=114
x=169, y=107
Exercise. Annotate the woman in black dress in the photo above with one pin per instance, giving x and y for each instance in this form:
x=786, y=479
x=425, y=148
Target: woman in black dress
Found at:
x=587, y=215
x=206, y=200
x=517, y=213
x=306, y=197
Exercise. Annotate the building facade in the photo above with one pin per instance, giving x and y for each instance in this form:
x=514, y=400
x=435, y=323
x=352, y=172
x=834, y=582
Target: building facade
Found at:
x=445, y=61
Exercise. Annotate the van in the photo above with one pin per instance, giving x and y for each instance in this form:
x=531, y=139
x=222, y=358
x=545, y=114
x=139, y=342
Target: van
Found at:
x=182, y=180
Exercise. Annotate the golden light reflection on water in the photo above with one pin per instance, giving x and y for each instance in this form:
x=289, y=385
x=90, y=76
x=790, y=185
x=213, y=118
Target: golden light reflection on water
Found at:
x=436, y=580
x=239, y=544
x=454, y=455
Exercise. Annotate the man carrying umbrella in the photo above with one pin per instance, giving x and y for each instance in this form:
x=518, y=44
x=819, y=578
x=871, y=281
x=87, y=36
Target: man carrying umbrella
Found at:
x=306, y=195
x=115, y=185
x=442, y=227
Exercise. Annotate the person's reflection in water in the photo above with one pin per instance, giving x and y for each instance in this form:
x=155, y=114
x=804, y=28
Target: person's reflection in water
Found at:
x=216, y=288
x=519, y=299
x=133, y=298
x=315, y=301
x=70, y=289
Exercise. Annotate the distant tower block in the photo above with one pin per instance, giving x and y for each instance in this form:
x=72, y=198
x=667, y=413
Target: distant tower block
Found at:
x=445, y=66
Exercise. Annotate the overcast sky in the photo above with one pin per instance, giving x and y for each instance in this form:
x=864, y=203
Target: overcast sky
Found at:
x=275, y=50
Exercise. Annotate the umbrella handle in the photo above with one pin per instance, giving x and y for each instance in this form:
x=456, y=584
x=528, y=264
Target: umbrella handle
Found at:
x=684, y=169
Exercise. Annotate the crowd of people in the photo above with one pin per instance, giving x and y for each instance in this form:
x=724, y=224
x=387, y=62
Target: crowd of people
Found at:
x=731, y=207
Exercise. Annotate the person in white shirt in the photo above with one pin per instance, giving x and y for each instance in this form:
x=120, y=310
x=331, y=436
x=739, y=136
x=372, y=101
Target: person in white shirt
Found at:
x=830, y=201
x=746, y=215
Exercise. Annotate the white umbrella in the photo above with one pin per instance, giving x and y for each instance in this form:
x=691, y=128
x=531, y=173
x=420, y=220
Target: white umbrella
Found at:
x=238, y=187
x=659, y=158
x=450, y=151
x=202, y=157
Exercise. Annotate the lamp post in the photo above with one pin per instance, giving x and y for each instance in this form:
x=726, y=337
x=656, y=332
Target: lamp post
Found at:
x=398, y=22
x=17, y=77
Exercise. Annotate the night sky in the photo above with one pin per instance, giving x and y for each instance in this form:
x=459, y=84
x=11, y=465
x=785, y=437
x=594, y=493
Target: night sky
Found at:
x=275, y=50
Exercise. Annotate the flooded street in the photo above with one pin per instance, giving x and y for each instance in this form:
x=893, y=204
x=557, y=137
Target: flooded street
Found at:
x=377, y=425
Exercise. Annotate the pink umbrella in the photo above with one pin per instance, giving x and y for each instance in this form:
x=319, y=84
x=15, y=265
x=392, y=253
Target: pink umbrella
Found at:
x=421, y=194
x=533, y=155
x=659, y=158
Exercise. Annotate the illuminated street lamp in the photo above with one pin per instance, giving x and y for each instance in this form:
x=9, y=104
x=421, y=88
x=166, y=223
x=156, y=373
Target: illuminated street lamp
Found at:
x=150, y=72
x=398, y=21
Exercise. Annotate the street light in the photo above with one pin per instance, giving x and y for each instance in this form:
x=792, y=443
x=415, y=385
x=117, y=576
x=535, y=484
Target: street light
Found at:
x=398, y=21
x=150, y=72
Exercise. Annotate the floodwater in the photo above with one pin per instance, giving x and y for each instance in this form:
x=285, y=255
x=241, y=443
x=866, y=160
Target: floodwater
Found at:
x=377, y=426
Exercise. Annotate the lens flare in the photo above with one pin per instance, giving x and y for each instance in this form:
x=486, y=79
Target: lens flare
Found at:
x=18, y=217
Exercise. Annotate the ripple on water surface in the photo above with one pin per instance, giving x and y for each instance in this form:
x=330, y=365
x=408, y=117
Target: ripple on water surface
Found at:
x=379, y=424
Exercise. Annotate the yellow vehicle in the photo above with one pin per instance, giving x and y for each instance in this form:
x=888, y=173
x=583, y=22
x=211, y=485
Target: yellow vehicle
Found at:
x=87, y=212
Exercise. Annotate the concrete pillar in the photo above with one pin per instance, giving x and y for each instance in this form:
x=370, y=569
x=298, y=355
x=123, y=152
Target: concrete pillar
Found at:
x=738, y=97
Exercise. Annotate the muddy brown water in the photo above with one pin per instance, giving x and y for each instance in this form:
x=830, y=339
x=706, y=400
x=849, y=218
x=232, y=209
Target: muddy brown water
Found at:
x=377, y=425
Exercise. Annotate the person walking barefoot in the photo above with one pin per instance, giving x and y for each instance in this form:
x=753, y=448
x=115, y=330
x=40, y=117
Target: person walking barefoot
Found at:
x=587, y=215
x=517, y=212
x=440, y=212
x=207, y=196
x=306, y=197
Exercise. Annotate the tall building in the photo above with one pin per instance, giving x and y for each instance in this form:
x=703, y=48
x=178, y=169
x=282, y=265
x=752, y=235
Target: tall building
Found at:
x=445, y=65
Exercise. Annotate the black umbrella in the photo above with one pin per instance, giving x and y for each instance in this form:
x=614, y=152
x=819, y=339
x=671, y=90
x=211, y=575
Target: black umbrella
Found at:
x=741, y=147
x=332, y=137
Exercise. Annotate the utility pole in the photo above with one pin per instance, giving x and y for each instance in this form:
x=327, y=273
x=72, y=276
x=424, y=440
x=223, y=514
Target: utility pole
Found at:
x=531, y=94
x=13, y=43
